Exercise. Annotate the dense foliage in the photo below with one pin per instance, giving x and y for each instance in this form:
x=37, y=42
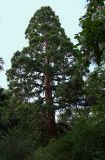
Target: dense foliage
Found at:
x=92, y=36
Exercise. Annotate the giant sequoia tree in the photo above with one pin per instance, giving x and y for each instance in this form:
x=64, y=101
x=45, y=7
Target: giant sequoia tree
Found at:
x=38, y=69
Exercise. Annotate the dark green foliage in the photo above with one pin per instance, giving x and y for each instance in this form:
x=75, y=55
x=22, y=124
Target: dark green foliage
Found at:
x=4, y=112
x=2, y=96
x=56, y=150
x=92, y=37
x=85, y=142
x=26, y=135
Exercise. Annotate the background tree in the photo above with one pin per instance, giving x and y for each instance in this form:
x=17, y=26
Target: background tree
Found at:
x=91, y=38
x=1, y=63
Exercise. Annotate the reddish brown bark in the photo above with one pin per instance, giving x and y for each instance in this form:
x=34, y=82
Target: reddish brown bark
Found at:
x=51, y=125
x=48, y=98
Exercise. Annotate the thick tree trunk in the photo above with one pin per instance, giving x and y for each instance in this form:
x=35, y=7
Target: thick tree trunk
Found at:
x=48, y=98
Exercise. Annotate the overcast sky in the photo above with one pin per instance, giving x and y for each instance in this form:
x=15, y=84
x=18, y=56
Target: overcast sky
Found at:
x=15, y=16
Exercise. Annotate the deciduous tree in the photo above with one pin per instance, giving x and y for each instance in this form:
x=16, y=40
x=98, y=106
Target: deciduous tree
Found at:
x=92, y=37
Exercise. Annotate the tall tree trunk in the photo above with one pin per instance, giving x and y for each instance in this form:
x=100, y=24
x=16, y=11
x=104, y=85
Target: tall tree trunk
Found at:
x=48, y=98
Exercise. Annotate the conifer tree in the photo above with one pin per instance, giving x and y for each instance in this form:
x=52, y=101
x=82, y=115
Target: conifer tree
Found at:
x=38, y=69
